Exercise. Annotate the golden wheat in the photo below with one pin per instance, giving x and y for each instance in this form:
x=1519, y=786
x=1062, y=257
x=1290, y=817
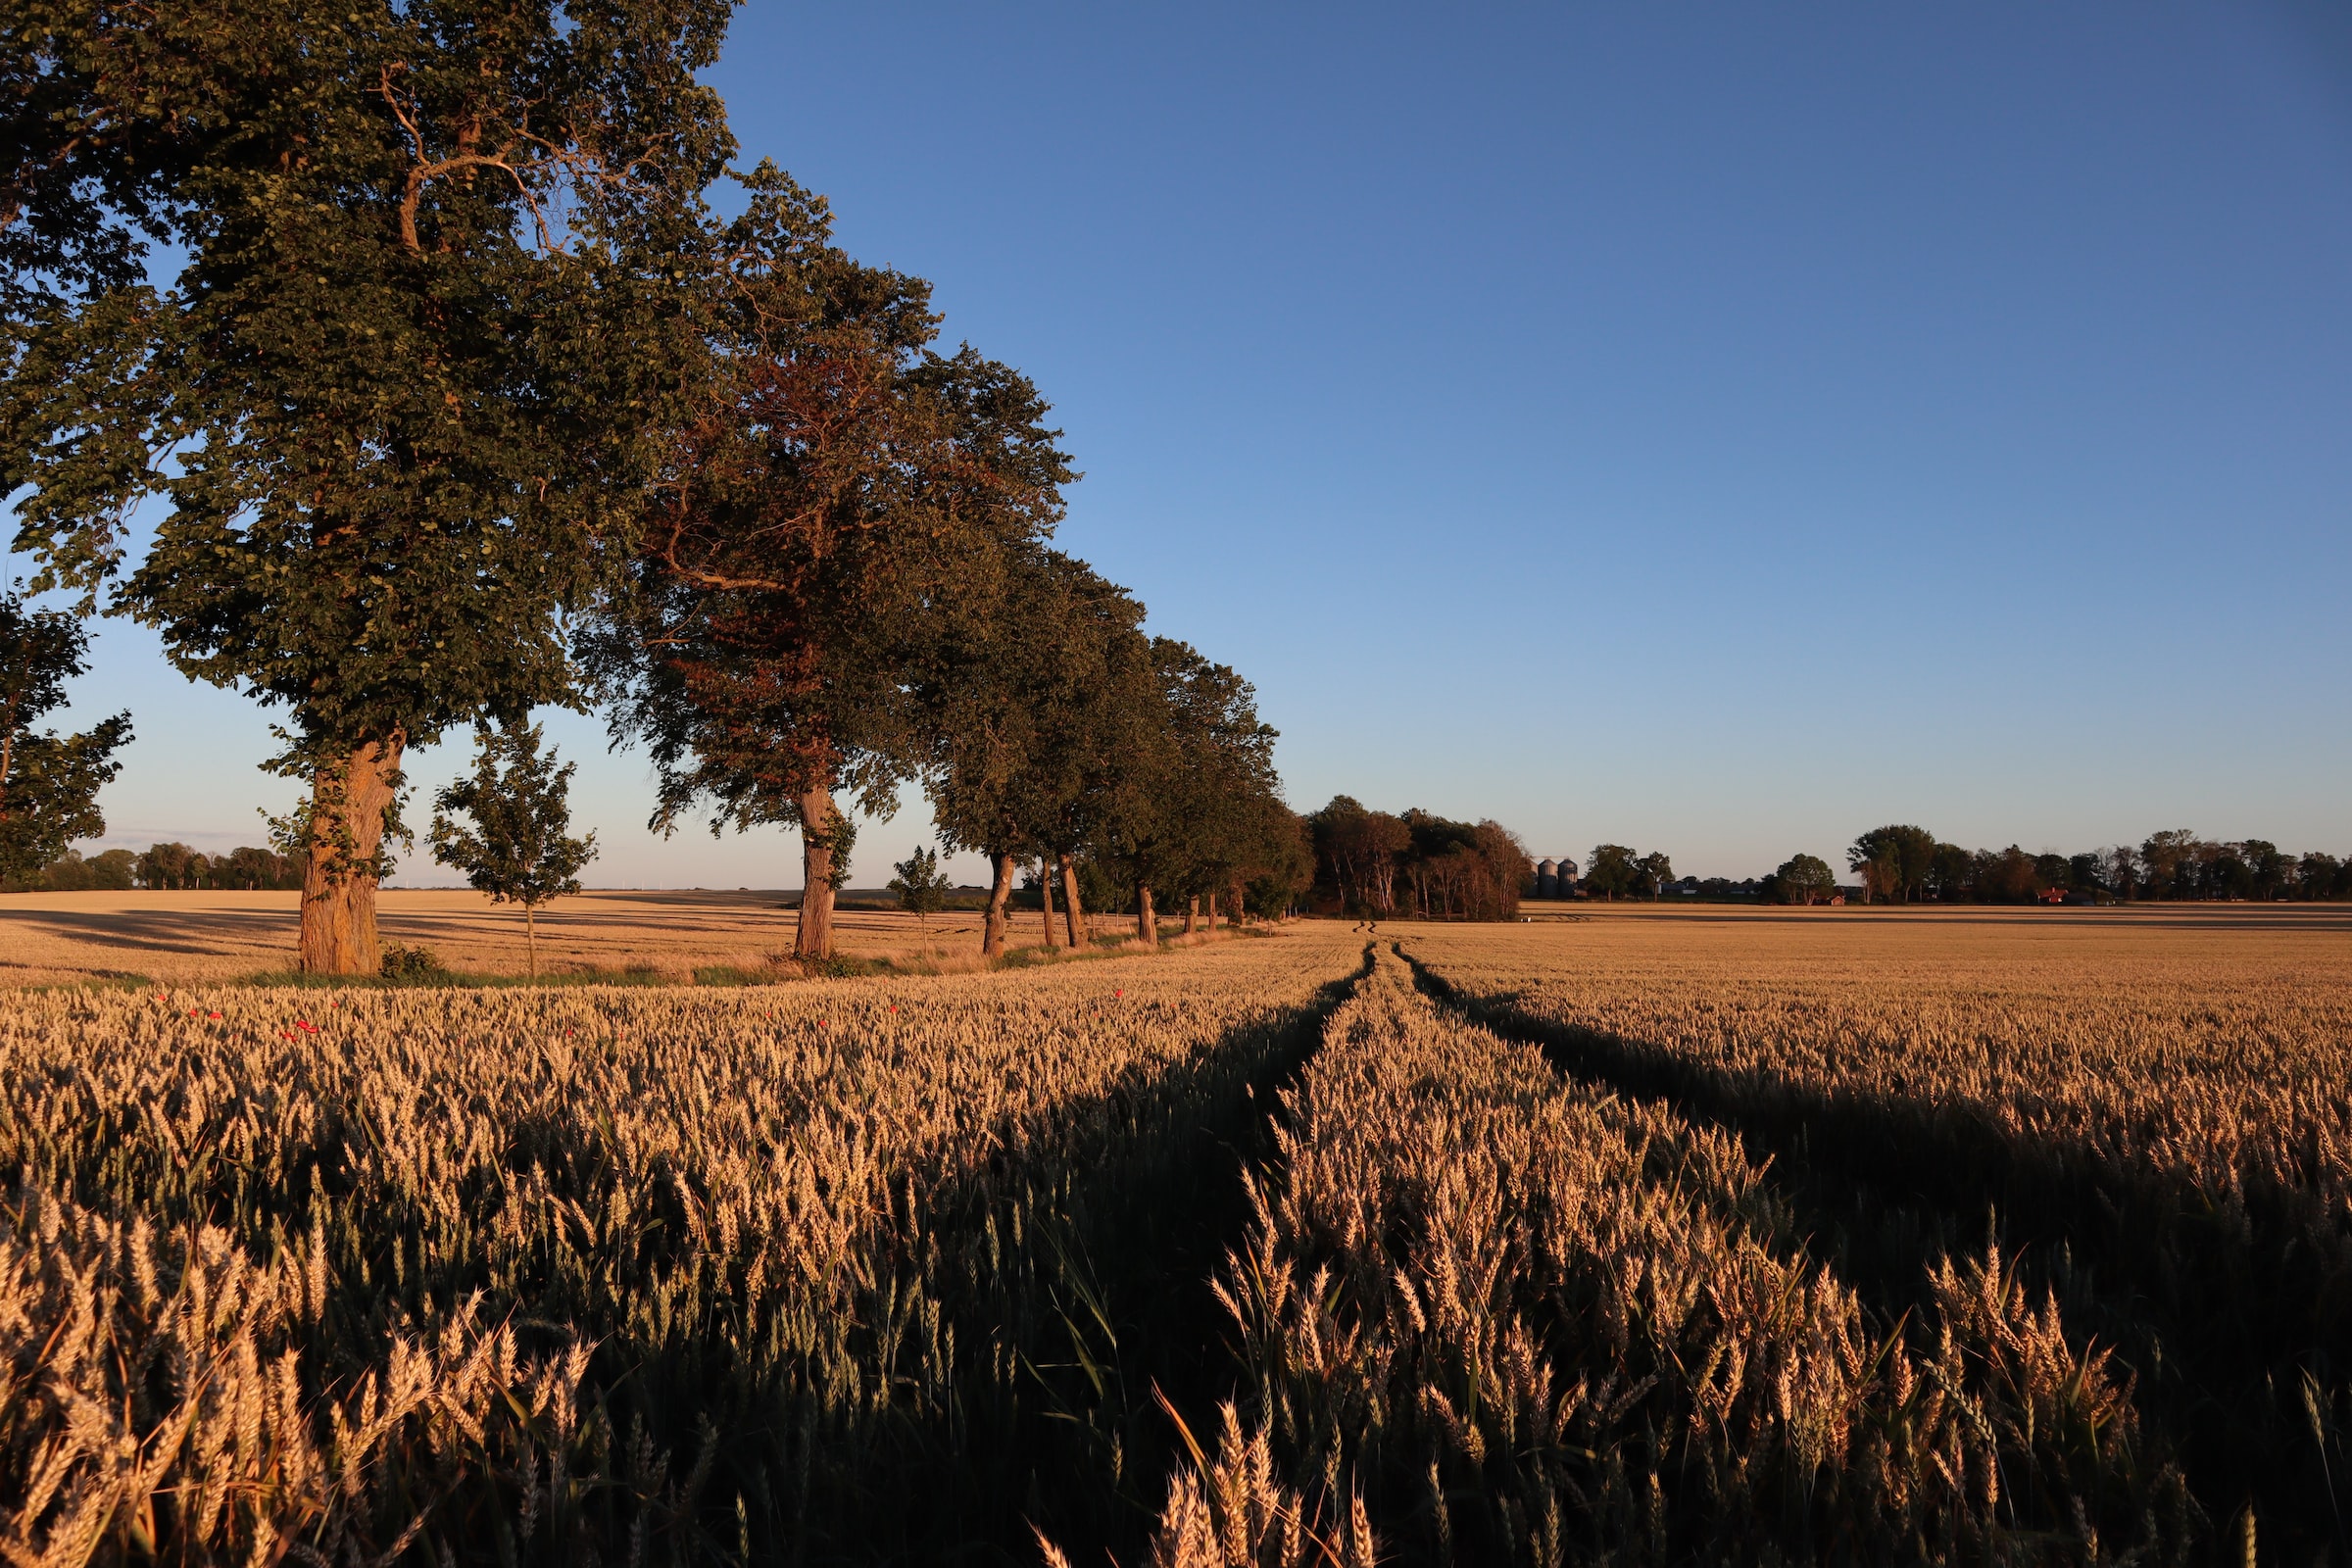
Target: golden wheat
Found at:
x=1633, y=1240
x=2156, y=1115
x=208, y=938
x=1530, y=1323
x=369, y=1240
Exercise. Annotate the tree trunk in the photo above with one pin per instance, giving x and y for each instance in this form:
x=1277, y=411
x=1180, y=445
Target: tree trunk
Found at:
x=1146, y=919
x=1045, y=892
x=340, y=876
x=1192, y=915
x=814, y=938
x=530, y=935
x=1212, y=913
x=1073, y=909
x=992, y=930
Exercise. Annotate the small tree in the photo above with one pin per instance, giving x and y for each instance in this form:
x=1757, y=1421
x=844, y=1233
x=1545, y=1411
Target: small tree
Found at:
x=922, y=885
x=49, y=783
x=521, y=805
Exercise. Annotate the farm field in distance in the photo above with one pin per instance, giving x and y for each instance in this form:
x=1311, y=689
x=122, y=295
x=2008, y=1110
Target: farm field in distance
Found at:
x=1641, y=1234
x=212, y=937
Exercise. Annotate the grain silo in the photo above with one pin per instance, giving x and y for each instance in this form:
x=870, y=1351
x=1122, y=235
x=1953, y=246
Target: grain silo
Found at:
x=1547, y=879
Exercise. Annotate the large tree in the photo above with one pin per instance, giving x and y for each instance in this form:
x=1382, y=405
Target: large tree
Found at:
x=1198, y=807
x=1804, y=879
x=834, y=483
x=1090, y=739
x=1358, y=851
x=1009, y=690
x=49, y=782
x=1464, y=870
x=1282, y=867
x=400, y=401
x=1895, y=861
x=1655, y=871
x=1613, y=869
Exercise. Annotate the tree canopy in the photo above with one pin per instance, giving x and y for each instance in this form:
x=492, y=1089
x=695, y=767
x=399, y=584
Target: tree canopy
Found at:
x=1804, y=879
x=1434, y=868
x=1894, y=861
x=49, y=783
x=401, y=401
x=834, y=481
x=1018, y=725
x=450, y=395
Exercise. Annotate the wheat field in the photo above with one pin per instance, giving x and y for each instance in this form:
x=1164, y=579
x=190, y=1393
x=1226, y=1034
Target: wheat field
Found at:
x=207, y=938
x=2150, y=1114
x=1636, y=1238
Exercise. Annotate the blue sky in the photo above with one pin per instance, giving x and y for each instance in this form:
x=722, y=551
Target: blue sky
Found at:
x=1716, y=428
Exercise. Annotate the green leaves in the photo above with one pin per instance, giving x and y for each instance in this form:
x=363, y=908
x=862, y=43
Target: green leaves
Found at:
x=50, y=797
x=834, y=487
x=412, y=337
x=515, y=849
x=922, y=885
x=49, y=783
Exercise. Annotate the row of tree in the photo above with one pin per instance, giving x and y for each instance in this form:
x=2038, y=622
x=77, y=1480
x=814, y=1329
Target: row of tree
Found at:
x=1904, y=863
x=245, y=869
x=1615, y=872
x=1376, y=865
x=465, y=399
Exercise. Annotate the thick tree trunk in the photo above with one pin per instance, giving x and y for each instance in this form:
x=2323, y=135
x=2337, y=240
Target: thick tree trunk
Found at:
x=1212, y=914
x=1192, y=915
x=1073, y=909
x=1146, y=919
x=814, y=938
x=339, y=876
x=1045, y=890
x=992, y=930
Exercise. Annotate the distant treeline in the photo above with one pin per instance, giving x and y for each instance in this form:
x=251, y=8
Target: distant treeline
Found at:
x=162, y=865
x=1420, y=865
x=1905, y=863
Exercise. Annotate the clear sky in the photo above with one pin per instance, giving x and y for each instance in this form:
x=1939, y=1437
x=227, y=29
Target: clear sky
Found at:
x=1711, y=427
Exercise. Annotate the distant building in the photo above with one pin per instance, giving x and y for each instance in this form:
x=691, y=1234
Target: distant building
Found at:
x=1547, y=879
